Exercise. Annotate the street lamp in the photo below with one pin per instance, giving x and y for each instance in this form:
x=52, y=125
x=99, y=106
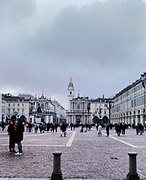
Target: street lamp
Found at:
x=99, y=112
x=88, y=109
x=109, y=106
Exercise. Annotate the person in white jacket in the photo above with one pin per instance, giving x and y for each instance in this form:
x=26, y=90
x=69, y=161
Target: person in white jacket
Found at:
x=99, y=130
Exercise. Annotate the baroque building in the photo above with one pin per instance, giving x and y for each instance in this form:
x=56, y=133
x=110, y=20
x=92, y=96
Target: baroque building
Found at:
x=44, y=109
x=78, y=107
x=34, y=109
x=85, y=110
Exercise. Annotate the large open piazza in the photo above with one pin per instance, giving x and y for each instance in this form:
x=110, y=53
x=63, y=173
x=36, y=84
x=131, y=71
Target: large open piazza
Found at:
x=84, y=155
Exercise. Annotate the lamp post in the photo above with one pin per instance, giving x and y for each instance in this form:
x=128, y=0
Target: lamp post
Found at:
x=109, y=106
x=143, y=79
x=88, y=109
x=100, y=112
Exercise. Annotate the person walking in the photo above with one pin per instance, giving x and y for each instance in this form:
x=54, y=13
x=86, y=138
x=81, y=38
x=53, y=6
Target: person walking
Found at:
x=36, y=128
x=11, y=133
x=123, y=128
x=82, y=128
x=137, y=128
x=63, y=129
x=40, y=127
x=71, y=126
x=141, y=129
x=107, y=129
x=3, y=125
x=19, y=129
x=99, y=130
x=118, y=129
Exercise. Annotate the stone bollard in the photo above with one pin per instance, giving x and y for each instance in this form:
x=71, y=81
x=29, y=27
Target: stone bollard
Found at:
x=132, y=175
x=57, y=174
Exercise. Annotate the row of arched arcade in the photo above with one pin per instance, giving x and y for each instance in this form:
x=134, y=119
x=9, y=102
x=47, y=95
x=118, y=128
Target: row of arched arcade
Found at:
x=130, y=117
x=103, y=120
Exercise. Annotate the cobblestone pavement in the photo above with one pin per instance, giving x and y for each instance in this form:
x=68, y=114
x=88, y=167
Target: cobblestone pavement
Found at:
x=84, y=155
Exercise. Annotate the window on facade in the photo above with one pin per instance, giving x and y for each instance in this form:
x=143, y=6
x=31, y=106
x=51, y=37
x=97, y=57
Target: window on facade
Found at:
x=78, y=106
x=42, y=106
x=9, y=105
x=46, y=105
x=3, y=108
x=132, y=103
x=13, y=104
x=18, y=104
x=8, y=110
x=139, y=101
x=70, y=92
x=22, y=104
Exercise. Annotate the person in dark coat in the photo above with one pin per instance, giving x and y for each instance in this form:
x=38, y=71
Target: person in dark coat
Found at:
x=107, y=129
x=137, y=128
x=63, y=129
x=141, y=129
x=3, y=125
x=40, y=127
x=71, y=126
x=82, y=128
x=19, y=129
x=118, y=129
x=123, y=128
x=11, y=133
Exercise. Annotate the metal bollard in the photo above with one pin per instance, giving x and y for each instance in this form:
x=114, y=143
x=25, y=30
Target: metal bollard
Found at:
x=57, y=174
x=132, y=175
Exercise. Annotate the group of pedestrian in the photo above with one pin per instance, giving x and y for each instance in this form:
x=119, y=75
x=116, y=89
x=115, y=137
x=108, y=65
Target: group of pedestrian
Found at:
x=15, y=132
x=99, y=129
x=120, y=128
x=72, y=126
x=85, y=127
x=139, y=129
x=43, y=126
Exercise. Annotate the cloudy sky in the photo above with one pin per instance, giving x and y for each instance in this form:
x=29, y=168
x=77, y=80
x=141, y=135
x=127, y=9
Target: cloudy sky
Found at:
x=101, y=44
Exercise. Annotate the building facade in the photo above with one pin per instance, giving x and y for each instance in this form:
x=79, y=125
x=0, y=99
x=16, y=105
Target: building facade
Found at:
x=79, y=111
x=46, y=110
x=60, y=112
x=14, y=105
x=100, y=109
x=85, y=110
x=130, y=104
x=78, y=107
x=35, y=109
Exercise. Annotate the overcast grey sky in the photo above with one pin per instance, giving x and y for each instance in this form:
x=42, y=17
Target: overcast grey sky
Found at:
x=100, y=44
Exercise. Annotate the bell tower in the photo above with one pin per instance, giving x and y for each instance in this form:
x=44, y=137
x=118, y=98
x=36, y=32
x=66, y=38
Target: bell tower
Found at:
x=70, y=91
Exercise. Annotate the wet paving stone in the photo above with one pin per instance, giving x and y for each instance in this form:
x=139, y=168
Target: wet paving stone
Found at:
x=89, y=156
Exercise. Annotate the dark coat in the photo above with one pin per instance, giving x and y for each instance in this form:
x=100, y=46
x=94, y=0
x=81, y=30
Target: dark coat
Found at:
x=107, y=128
x=63, y=127
x=19, y=132
x=10, y=130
